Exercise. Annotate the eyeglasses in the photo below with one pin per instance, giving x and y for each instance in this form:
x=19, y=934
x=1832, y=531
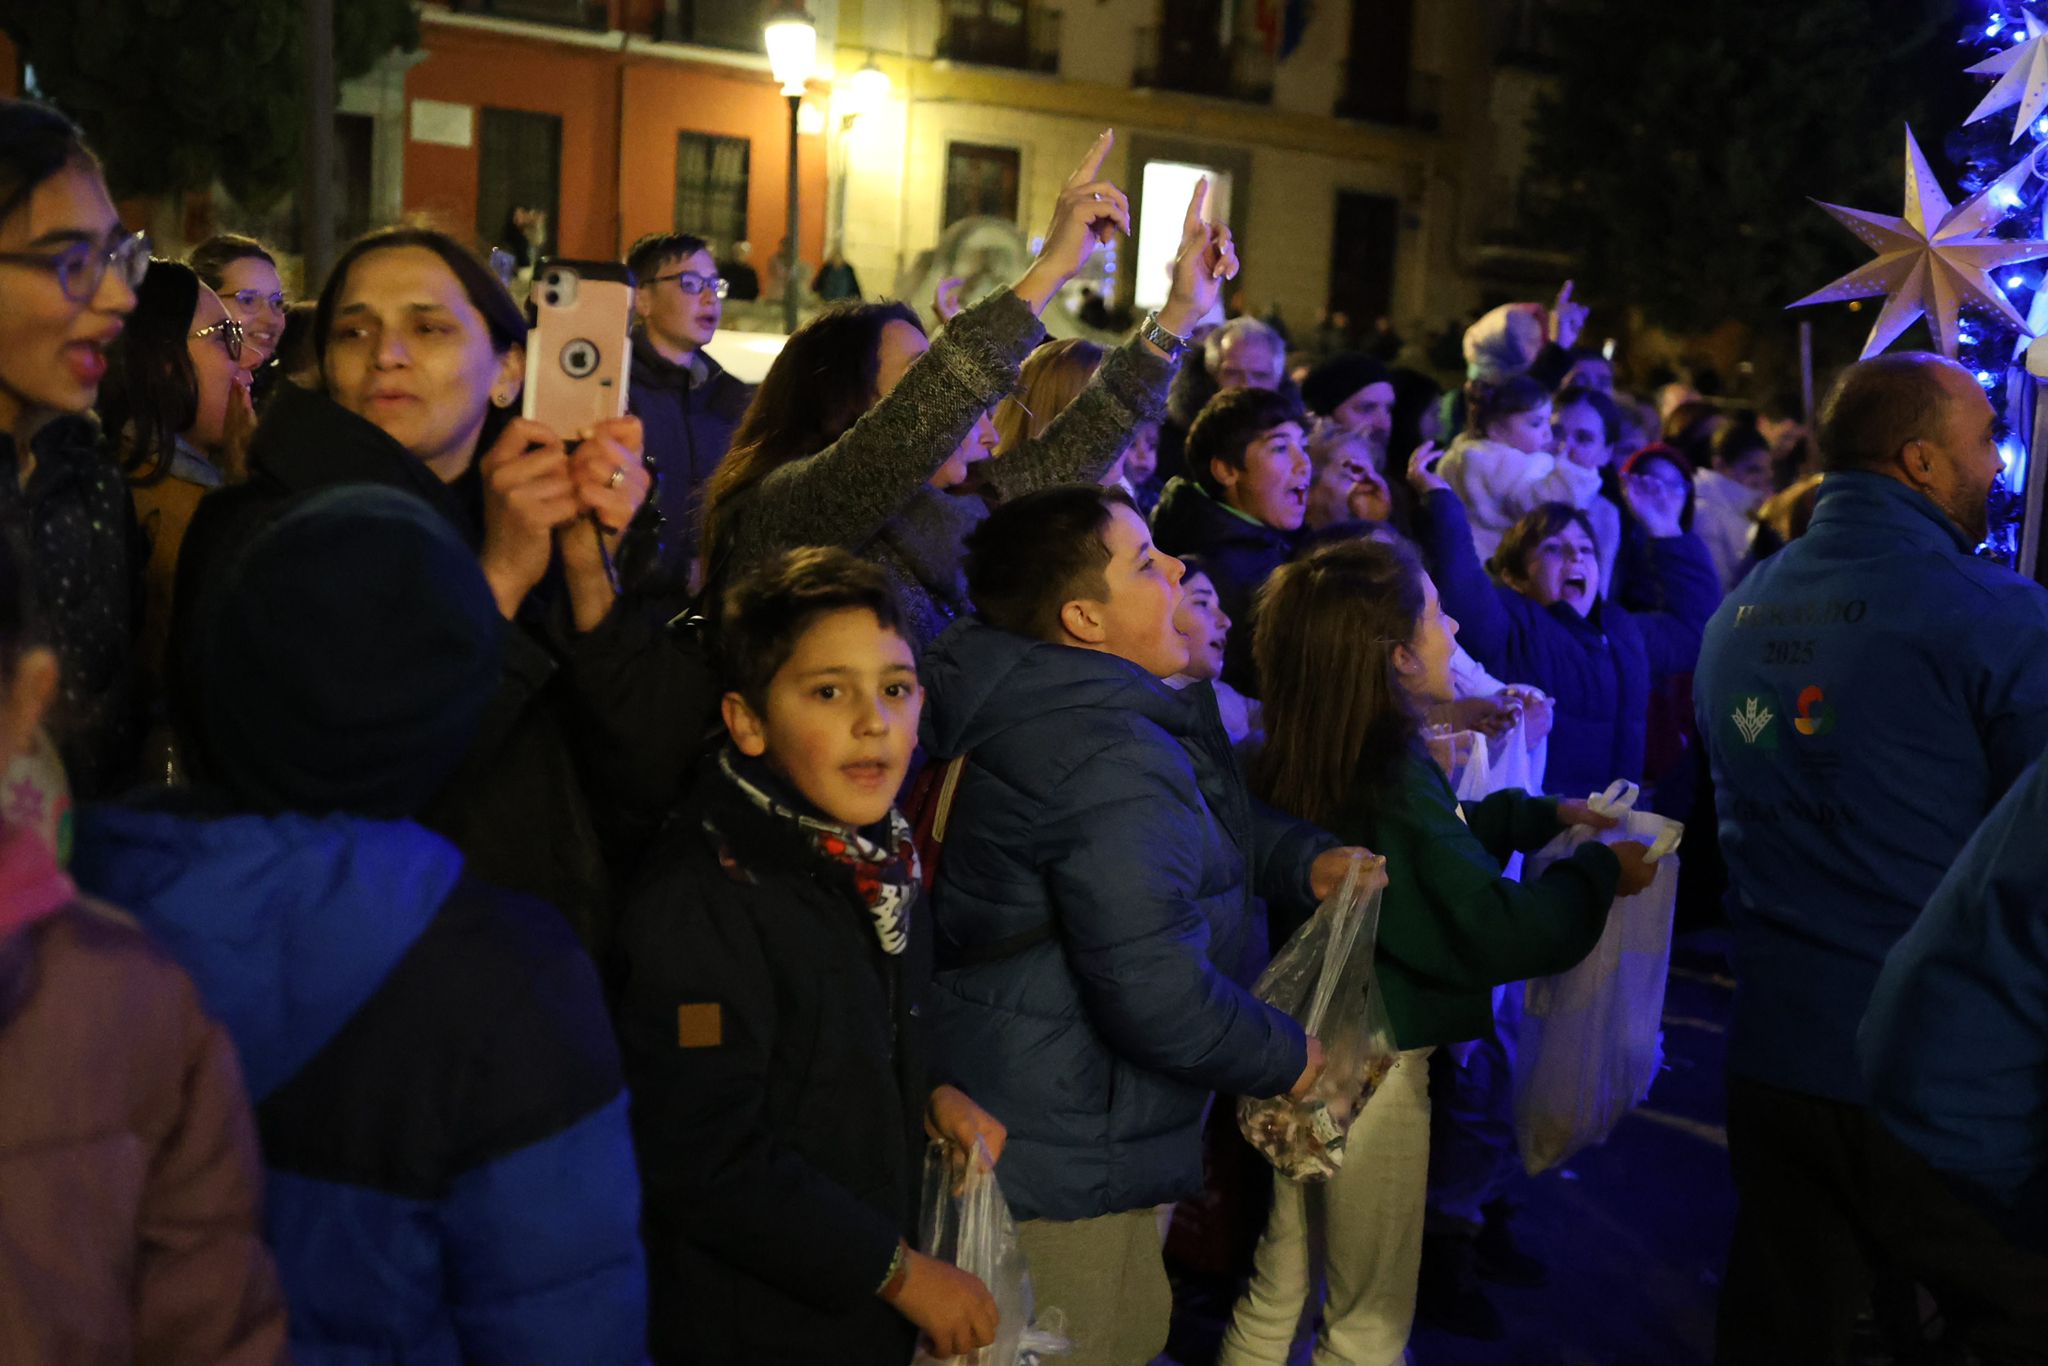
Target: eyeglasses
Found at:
x=81, y=266
x=230, y=336
x=692, y=283
x=249, y=299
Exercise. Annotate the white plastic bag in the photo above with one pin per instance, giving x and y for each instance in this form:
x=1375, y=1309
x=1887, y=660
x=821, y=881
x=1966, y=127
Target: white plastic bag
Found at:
x=1592, y=1037
x=1324, y=978
x=965, y=1220
x=1515, y=760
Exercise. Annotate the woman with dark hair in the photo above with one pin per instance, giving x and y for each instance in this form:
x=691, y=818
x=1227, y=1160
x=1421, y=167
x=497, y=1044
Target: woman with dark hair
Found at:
x=1542, y=620
x=165, y=406
x=1354, y=646
x=864, y=429
x=421, y=359
x=68, y=272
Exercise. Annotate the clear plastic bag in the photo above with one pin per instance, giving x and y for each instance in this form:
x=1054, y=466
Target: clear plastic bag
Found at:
x=965, y=1220
x=1324, y=978
x=1592, y=1037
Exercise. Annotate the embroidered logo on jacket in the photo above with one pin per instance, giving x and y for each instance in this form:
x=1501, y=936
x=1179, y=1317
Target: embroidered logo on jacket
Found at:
x=1815, y=717
x=1752, y=719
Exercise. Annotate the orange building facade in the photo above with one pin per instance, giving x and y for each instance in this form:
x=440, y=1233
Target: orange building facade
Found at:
x=622, y=99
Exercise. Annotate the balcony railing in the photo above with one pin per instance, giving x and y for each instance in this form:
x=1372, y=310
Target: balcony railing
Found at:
x=585, y=14
x=967, y=33
x=1167, y=60
x=734, y=24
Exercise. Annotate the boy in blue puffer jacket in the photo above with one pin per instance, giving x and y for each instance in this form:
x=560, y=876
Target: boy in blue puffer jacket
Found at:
x=450, y=1176
x=1098, y=902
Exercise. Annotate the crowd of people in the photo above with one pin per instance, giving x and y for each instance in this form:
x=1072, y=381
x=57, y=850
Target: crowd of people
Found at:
x=535, y=896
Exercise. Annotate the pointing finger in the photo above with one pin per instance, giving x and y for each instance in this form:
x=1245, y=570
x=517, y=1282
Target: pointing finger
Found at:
x=1196, y=205
x=1091, y=165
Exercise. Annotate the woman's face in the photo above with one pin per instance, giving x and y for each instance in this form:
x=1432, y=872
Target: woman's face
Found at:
x=254, y=296
x=978, y=445
x=1562, y=568
x=1425, y=660
x=53, y=349
x=410, y=352
x=1581, y=437
x=214, y=372
x=901, y=344
x=1527, y=432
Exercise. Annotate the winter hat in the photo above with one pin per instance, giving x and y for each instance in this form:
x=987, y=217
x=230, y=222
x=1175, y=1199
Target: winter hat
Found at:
x=1502, y=344
x=348, y=655
x=1334, y=380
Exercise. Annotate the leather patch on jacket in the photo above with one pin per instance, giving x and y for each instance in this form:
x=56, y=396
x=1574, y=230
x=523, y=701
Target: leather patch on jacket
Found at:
x=700, y=1024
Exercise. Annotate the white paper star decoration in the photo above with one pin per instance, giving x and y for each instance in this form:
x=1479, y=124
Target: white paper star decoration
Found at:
x=1935, y=260
x=2022, y=72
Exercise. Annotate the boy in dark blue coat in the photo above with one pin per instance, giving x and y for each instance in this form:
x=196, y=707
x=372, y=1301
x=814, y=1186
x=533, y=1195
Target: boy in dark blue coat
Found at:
x=776, y=959
x=450, y=1177
x=1098, y=905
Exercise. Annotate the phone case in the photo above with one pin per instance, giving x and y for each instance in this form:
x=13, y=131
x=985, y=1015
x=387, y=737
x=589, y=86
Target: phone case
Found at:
x=578, y=353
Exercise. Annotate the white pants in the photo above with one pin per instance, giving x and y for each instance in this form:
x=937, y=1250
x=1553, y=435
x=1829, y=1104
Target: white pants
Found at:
x=1366, y=1222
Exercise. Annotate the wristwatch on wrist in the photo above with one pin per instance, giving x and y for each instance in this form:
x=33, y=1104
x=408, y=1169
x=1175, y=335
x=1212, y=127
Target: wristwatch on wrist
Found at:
x=1152, y=331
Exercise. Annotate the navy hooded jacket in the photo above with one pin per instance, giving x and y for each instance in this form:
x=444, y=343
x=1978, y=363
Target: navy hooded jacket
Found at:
x=1596, y=668
x=1955, y=1044
x=1097, y=897
x=450, y=1176
x=1866, y=696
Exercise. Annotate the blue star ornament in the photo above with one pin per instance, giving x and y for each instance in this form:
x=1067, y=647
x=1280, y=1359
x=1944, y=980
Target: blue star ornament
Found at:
x=1936, y=260
x=2022, y=72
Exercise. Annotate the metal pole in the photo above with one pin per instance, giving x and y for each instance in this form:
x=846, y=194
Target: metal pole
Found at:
x=791, y=285
x=317, y=223
x=1806, y=375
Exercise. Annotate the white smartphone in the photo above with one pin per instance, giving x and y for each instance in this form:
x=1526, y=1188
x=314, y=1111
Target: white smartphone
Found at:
x=578, y=352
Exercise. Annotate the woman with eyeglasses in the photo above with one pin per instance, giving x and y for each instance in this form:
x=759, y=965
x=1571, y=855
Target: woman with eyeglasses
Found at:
x=68, y=272
x=1541, y=618
x=420, y=361
x=243, y=273
x=170, y=407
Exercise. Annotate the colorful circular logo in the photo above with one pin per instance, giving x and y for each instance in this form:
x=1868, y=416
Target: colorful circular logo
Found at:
x=1815, y=717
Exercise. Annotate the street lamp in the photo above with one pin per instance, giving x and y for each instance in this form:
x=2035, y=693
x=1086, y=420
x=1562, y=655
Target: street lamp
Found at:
x=792, y=41
x=867, y=91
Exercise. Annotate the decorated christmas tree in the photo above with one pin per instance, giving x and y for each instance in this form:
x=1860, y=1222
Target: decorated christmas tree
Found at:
x=1974, y=269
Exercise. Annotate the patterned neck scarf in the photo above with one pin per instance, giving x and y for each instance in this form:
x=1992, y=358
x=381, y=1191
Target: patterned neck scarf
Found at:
x=882, y=859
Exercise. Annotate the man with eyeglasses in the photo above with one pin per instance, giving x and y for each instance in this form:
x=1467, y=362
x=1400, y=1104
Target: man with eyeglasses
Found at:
x=687, y=403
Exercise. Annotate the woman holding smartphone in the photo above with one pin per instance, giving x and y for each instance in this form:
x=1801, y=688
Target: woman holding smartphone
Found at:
x=421, y=361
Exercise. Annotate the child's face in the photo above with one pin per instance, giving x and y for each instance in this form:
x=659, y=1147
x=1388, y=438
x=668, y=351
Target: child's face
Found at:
x=1527, y=432
x=1137, y=618
x=1141, y=459
x=1206, y=625
x=1581, y=436
x=1563, y=568
x=1425, y=660
x=840, y=717
x=1273, y=485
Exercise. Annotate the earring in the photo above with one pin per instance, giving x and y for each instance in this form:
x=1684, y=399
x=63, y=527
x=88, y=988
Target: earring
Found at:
x=502, y=400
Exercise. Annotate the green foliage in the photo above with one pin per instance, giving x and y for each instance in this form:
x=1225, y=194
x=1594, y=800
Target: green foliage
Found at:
x=174, y=94
x=1675, y=157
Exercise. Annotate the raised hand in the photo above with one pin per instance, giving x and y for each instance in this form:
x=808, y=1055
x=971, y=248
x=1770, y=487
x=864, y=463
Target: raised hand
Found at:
x=1207, y=257
x=1657, y=503
x=1422, y=475
x=1087, y=213
x=1567, y=319
x=946, y=299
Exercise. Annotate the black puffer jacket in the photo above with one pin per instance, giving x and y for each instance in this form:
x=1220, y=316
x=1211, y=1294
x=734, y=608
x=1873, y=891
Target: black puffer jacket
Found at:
x=86, y=555
x=589, y=739
x=774, y=1054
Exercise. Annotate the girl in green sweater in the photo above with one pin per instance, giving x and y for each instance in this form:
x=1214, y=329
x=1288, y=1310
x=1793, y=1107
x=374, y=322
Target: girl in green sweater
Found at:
x=1353, y=646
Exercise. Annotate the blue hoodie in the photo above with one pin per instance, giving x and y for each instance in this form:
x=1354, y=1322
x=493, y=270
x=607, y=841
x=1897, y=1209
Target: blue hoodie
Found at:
x=1955, y=1045
x=450, y=1176
x=1865, y=697
x=1098, y=898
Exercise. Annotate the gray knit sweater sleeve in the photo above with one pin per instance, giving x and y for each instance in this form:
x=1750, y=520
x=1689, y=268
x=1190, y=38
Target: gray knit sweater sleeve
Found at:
x=844, y=494
x=1080, y=445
